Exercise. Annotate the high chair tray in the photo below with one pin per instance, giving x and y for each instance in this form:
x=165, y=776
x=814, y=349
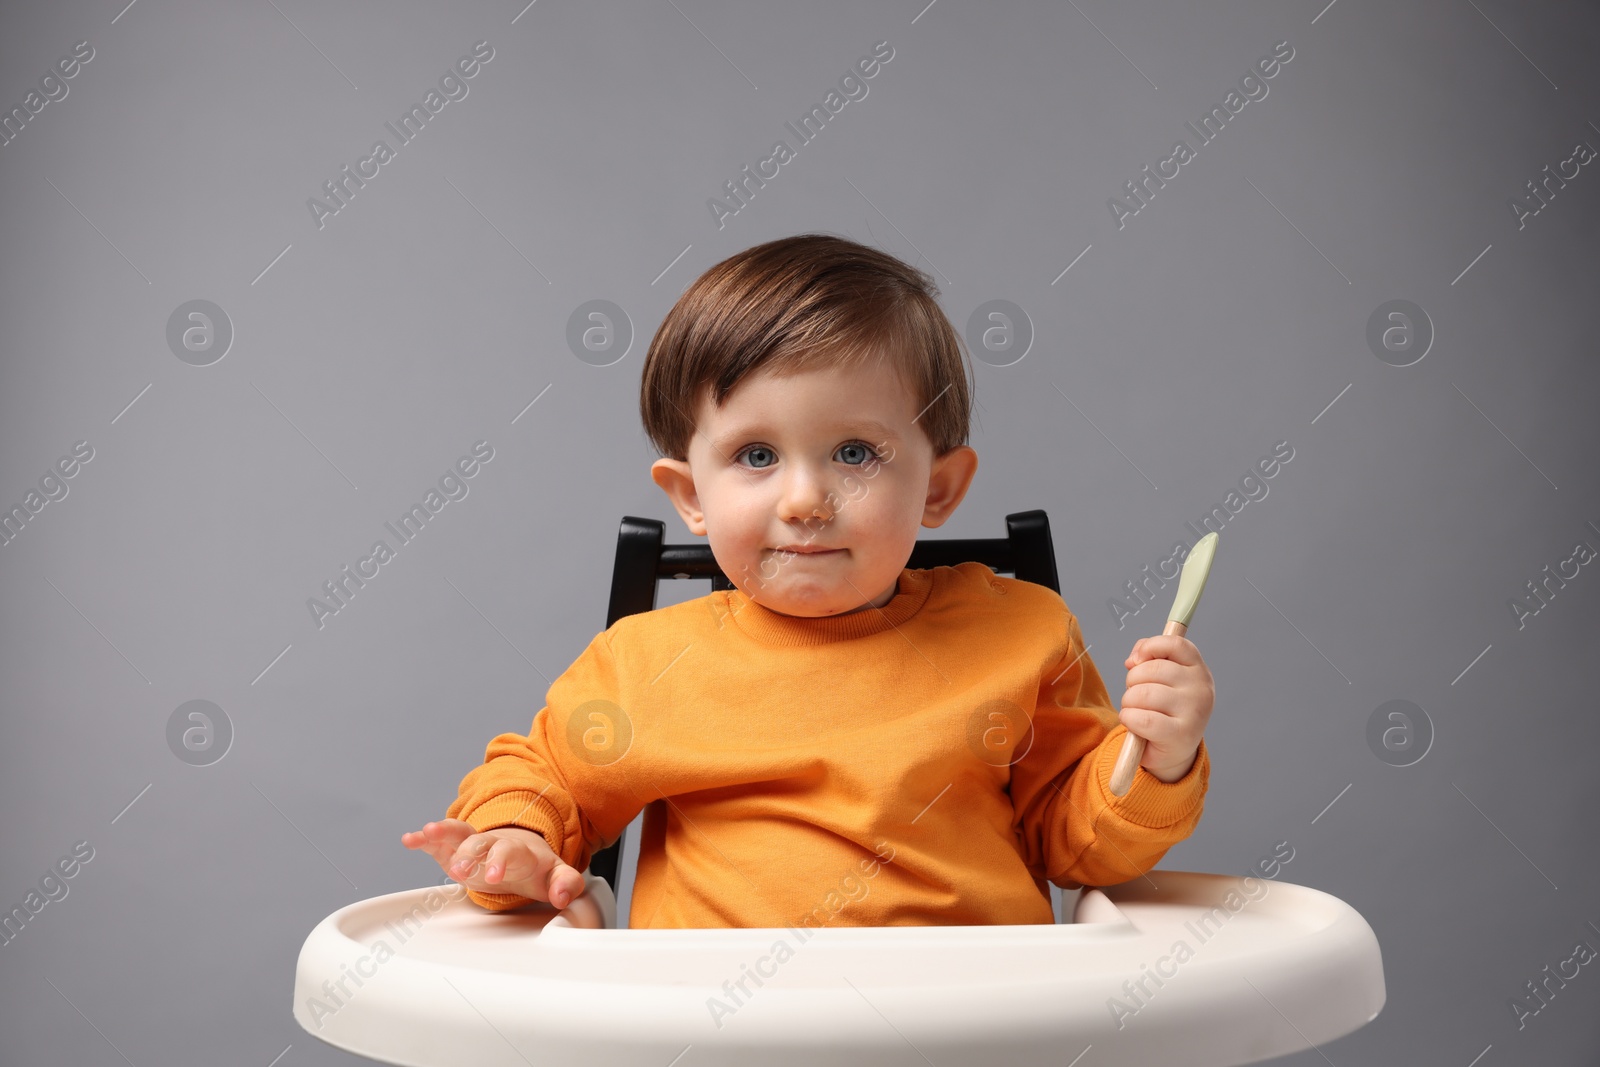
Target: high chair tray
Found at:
x=1176, y=968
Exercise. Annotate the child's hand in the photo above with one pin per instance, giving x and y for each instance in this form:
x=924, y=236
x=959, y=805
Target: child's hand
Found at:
x=507, y=859
x=1168, y=702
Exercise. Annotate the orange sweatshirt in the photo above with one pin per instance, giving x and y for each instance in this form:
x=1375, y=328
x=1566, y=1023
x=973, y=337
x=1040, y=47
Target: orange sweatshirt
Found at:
x=930, y=762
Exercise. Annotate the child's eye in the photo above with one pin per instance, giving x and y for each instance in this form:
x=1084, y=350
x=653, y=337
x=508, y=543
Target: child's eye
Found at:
x=863, y=453
x=755, y=450
x=861, y=448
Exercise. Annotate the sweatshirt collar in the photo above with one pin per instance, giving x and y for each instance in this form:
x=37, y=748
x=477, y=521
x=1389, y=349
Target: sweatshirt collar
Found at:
x=770, y=627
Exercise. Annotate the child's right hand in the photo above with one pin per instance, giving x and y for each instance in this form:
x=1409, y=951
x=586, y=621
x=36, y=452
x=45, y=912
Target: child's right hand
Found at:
x=507, y=859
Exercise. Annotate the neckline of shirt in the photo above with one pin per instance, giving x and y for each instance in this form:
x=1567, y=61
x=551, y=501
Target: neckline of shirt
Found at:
x=769, y=627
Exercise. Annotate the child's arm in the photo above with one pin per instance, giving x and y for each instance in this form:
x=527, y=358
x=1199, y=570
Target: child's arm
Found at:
x=1071, y=825
x=563, y=780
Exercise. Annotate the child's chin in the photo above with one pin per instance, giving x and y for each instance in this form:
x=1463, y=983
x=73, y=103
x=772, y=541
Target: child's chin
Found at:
x=805, y=608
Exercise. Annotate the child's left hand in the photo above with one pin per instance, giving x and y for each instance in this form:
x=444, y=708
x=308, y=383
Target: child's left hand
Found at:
x=1168, y=702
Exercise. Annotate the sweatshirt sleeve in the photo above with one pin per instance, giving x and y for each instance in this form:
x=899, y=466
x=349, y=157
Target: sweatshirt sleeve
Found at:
x=561, y=780
x=1071, y=827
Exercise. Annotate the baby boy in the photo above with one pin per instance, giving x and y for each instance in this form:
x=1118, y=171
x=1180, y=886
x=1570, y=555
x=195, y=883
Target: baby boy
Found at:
x=840, y=738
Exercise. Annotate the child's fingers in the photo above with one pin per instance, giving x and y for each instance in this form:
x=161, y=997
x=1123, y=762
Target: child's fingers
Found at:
x=566, y=883
x=1140, y=650
x=562, y=883
x=500, y=862
x=1157, y=728
x=429, y=833
x=551, y=878
x=1164, y=646
x=446, y=829
x=466, y=862
x=438, y=839
x=1158, y=672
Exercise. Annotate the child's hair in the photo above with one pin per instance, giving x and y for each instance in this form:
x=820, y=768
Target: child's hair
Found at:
x=807, y=302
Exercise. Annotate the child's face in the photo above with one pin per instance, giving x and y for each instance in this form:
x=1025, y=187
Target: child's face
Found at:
x=796, y=462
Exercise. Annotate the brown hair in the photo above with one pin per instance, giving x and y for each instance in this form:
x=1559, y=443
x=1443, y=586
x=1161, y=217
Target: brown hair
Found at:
x=808, y=302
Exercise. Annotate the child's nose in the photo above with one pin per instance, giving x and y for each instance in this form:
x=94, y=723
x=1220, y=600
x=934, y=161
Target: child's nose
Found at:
x=805, y=496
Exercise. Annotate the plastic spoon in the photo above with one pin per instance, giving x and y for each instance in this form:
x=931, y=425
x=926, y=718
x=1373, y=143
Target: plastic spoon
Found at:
x=1191, y=583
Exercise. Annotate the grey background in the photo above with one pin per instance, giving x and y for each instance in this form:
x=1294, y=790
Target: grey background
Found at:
x=1228, y=315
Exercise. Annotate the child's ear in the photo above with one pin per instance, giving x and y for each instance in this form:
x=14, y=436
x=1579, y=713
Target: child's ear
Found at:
x=948, y=481
x=674, y=477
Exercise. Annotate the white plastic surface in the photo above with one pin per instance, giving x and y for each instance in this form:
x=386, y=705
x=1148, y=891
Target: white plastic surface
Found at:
x=1213, y=980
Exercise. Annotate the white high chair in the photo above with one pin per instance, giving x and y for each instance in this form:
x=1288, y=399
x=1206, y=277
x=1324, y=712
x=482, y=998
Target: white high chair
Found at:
x=1203, y=970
